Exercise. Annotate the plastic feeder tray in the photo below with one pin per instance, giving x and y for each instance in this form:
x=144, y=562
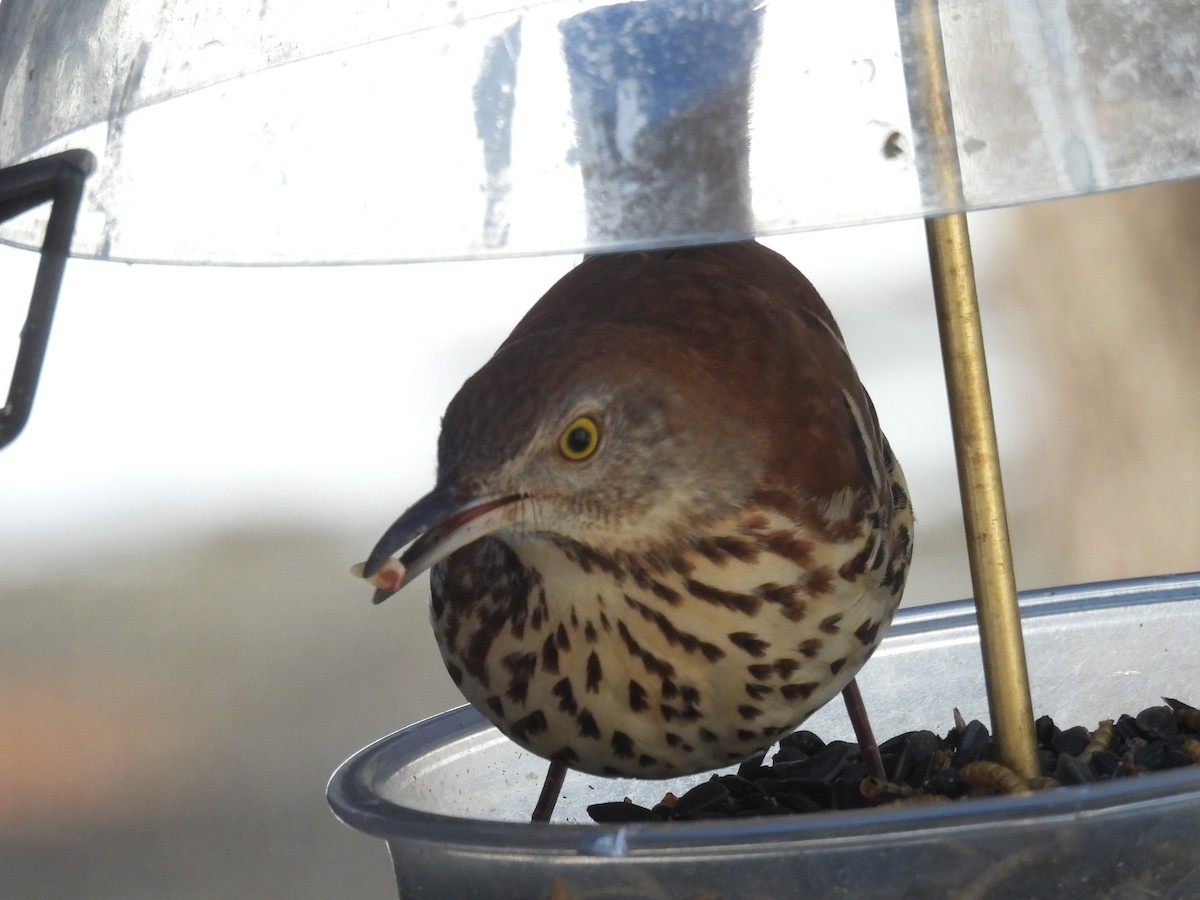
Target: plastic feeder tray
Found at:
x=452, y=796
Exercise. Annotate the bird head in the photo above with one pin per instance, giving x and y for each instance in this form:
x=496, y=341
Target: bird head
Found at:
x=604, y=434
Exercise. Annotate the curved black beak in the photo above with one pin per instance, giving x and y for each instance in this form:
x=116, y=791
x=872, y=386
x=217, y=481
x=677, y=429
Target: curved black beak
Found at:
x=435, y=526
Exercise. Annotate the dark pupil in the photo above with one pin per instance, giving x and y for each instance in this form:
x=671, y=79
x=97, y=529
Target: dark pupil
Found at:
x=579, y=440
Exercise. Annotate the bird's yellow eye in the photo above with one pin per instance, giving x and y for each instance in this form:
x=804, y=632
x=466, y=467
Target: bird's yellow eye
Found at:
x=579, y=439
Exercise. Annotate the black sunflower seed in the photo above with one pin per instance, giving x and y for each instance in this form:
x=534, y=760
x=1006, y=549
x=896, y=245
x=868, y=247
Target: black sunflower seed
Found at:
x=1072, y=741
x=620, y=811
x=1157, y=722
x=706, y=796
x=808, y=775
x=972, y=745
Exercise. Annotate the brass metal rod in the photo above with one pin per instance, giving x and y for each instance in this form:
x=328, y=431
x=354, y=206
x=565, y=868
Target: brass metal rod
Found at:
x=984, y=516
x=975, y=447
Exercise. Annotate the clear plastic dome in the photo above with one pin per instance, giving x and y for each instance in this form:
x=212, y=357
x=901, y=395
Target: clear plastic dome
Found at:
x=310, y=132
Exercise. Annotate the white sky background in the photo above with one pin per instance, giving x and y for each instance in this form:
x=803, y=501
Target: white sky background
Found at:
x=180, y=399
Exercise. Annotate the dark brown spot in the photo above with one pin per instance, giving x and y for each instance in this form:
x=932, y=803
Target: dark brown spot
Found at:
x=566, y=756
x=744, y=735
x=637, y=697
x=758, y=691
x=655, y=561
x=836, y=665
x=711, y=651
x=639, y=574
x=811, y=647
x=534, y=723
x=593, y=674
x=566, y=696
x=899, y=496
x=707, y=736
x=856, y=565
x=751, y=643
x=786, y=667
x=879, y=558
x=670, y=690
x=819, y=581
x=589, y=632
x=783, y=596
x=604, y=618
x=496, y=705
x=830, y=624
x=517, y=626
x=646, y=760
x=663, y=592
x=674, y=636
x=520, y=663
x=720, y=549
x=690, y=714
x=773, y=592
x=754, y=523
x=797, y=691
x=867, y=632
x=795, y=611
x=580, y=560
x=622, y=745
x=786, y=545
x=739, y=549
x=652, y=663
x=898, y=565
x=456, y=673
x=561, y=636
x=689, y=695
x=522, y=667
x=709, y=550
x=743, y=603
x=478, y=651
x=673, y=740
x=750, y=713
x=661, y=562
x=589, y=558
x=550, y=655
x=587, y=725
x=761, y=671
x=669, y=713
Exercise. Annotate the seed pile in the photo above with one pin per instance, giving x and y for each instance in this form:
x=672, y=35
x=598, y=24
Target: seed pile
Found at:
x=807, y=774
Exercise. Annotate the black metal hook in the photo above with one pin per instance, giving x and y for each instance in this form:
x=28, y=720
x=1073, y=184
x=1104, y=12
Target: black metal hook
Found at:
x=56, y=179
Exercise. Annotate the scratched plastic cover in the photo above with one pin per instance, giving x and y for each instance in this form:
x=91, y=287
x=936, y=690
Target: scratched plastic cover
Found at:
x=310, y=132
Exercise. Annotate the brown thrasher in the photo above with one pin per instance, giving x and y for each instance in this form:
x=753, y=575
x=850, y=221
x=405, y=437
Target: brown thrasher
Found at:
x=666, y=526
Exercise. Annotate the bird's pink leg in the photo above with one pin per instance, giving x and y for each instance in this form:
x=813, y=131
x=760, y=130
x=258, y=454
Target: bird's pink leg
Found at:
x=551, y=788
x=857, y=711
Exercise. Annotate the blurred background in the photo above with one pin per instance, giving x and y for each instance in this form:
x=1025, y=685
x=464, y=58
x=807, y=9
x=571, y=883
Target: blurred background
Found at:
x=184, y=658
